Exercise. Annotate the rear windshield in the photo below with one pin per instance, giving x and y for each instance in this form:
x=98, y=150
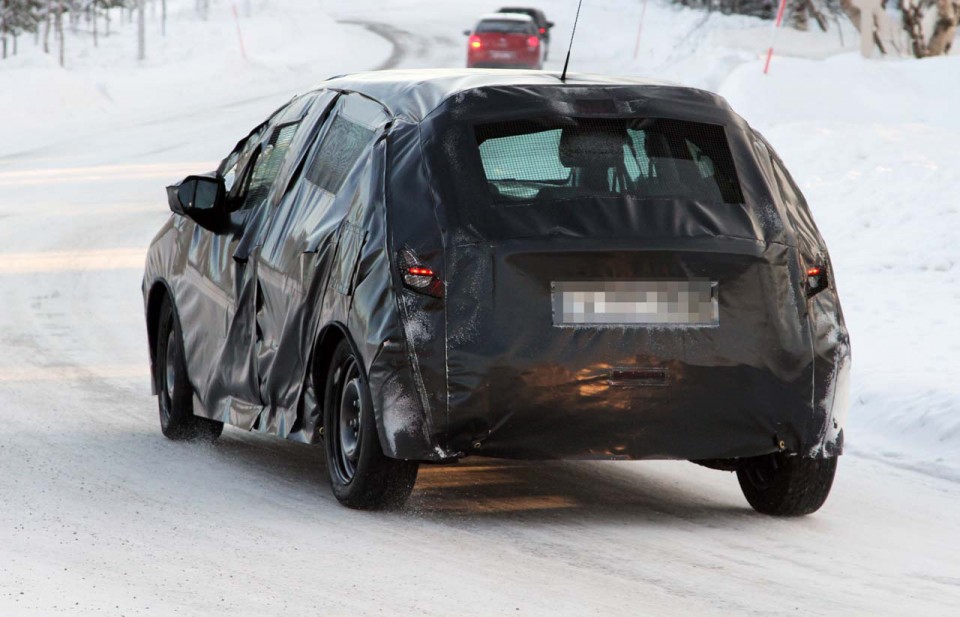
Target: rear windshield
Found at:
x=550, y=159
x=509, y=26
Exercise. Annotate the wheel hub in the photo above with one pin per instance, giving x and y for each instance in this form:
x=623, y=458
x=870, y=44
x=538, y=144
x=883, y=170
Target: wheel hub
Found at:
x=351, y=412
x=170, y=373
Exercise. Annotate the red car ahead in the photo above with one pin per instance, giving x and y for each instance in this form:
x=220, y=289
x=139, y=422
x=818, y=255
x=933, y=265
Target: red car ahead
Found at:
x=505, y=40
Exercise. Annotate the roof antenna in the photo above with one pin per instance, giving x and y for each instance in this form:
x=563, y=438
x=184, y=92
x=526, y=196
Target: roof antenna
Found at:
x=566, y=63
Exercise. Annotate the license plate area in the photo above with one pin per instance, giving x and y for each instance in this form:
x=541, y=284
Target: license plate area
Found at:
x=502, y=55
x=690, y=303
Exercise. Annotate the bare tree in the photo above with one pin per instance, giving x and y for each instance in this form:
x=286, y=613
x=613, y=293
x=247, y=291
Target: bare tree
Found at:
x=48, y=16
x=939, y=42
x=4, y=19
x=141, y=31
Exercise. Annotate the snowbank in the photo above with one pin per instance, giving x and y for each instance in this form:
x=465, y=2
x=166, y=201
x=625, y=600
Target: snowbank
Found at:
x=874, y=145
x=288, y=47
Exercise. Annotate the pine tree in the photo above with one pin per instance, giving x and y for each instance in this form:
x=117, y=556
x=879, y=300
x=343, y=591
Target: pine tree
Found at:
x=16, y=18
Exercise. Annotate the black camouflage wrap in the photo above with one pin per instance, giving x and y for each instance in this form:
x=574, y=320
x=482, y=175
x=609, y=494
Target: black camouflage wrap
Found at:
x=482, y=370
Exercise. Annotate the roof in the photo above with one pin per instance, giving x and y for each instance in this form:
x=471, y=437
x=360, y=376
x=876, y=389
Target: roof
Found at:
x=506, y=17
x=416, y=92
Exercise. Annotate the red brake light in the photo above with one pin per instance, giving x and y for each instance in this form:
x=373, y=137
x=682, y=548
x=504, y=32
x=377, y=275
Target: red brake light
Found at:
x=543, y=30
x=816, y=280
x=417, y=276
x=533, y=41
x=475, y=42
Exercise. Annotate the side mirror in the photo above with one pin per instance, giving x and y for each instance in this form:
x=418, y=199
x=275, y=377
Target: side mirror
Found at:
x=550, y=24
x=201, y=197
x=467, y=33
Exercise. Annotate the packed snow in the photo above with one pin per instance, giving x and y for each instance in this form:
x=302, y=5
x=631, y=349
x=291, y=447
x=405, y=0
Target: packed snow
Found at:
x=101, y=515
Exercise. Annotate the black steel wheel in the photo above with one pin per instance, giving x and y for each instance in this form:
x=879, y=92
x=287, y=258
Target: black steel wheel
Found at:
x=361, y=475
x=174, y=392
x=782, y=485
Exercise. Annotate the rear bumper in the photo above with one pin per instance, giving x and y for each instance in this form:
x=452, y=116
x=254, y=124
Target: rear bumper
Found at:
x=713, y=412
x=521, y=59
x=700, y=413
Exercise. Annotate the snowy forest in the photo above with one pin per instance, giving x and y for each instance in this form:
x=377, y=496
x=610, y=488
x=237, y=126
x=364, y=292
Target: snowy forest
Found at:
x=928, y=27
x=46, y=20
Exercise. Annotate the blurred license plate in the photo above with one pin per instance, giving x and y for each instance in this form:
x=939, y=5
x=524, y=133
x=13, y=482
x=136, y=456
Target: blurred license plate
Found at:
x=690, y=302
x=501, y=55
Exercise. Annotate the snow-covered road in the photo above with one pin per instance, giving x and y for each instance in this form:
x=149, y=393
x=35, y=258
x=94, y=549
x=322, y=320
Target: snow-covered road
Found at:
x=100, y=515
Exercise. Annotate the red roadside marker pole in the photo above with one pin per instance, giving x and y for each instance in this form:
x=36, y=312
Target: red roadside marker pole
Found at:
x=236, y=20
x=773, y=36
x=643, y=13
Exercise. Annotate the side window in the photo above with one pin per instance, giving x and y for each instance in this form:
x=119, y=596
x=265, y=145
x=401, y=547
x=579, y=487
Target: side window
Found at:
x=351, y=132
x=267, y=166
x=234, y=165
x=250, y=171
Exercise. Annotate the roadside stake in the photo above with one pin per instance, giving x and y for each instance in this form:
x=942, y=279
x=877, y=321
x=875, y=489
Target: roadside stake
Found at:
x=773, y=35
x=243, y=52
x=643, y=13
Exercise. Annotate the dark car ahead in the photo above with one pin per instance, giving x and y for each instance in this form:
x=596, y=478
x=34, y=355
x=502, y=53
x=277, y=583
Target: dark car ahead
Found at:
x=422, y=266
x=503, y=40
x=543, y=24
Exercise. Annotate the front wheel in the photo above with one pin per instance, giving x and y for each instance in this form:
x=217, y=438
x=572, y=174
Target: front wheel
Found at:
x=782, y=485
x=174, y=392
x=361, y=475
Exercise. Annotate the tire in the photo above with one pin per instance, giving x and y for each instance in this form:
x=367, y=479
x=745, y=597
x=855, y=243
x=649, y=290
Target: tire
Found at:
x=781, y=485
x=361, y=475
x=174, y=392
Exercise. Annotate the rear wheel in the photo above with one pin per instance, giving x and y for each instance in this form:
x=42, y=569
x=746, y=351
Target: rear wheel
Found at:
x=174, y=392
x=782, y=485
x=361, y=475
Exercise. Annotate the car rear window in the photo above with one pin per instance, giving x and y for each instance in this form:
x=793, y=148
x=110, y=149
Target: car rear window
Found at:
x=550, y=159
x=508, y=26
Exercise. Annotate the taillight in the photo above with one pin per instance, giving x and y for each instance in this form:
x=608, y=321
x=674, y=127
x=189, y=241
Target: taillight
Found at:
x=816, y=279
x=543, y=30
x=417, y=276
x=475, y=42
x=533, y=42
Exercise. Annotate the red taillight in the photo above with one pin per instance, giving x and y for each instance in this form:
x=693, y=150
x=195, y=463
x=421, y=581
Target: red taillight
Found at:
x=418, y=271
x=816, y=280
x=417, y=276
x=533, y=42
x=475, y=42
x=543, y=30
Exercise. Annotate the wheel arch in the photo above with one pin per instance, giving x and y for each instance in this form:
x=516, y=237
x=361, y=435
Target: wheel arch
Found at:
x=155, y=297
x=326, y=342
x=311, y=416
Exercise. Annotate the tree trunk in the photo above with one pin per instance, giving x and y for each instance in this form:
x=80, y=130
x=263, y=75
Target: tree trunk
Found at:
x=852, y=12
x=945, y=29
x=912, y=16
x=93, y=14
x=799, y=17
x=3, y=27
x=141, y=30
x=60, y=31
x=46, y=27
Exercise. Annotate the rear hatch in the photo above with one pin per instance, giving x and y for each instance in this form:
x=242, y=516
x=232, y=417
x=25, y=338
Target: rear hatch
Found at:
x=616, y=296
x=503, y=41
